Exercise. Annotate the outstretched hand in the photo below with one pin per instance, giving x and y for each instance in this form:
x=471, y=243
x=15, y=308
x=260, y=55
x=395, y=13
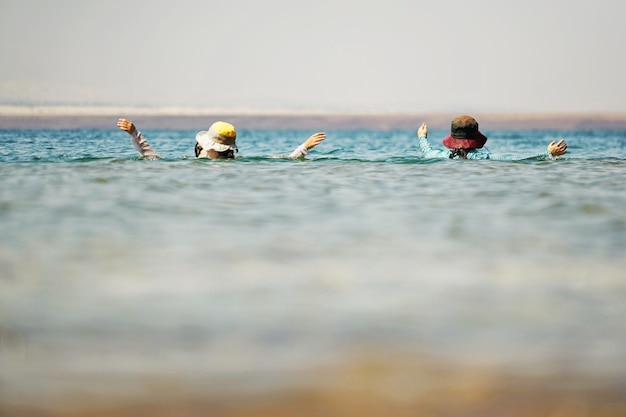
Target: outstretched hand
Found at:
x=126, y=126
x=423, y=130
x=557, y=149
x=314, y=140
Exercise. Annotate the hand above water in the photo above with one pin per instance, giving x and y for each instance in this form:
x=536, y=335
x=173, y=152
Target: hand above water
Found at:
x=127, y=126
x=314, y=140
x=557, y=149
x=423, y=130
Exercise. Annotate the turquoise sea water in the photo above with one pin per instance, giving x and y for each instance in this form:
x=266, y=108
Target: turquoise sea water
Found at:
x=250, y=272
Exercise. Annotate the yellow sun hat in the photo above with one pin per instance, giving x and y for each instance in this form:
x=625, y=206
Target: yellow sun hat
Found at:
x=221, y=137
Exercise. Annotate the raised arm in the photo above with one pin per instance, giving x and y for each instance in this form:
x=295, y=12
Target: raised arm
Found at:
x=313, y=140
x=427, y=150
x=554, y=149
x=140, y=143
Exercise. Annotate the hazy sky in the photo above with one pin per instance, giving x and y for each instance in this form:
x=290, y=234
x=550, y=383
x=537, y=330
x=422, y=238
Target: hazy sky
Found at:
x=329, y=55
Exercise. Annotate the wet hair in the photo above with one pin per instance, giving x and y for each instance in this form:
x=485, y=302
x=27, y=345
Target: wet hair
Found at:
x=460, y=152
x=228, y=154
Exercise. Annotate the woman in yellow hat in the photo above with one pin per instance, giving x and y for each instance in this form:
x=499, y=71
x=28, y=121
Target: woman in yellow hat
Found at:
x=219, y=142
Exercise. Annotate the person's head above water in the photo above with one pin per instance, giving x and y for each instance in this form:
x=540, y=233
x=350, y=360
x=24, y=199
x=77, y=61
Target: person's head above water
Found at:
x=465, y=139
x=464, y=134
x=219, y=142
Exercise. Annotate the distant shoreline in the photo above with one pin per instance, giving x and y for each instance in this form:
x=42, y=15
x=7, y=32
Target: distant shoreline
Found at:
x=24, y=117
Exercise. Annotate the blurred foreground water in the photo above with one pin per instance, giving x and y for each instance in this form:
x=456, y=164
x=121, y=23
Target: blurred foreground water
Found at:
x=363, y=280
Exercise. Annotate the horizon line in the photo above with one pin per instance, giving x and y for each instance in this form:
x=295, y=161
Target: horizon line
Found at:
x=111, y=110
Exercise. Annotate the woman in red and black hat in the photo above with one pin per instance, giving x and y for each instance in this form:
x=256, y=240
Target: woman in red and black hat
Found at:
x=465, y=141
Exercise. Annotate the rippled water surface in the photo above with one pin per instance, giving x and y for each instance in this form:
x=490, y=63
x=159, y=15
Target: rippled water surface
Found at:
x=112, y=266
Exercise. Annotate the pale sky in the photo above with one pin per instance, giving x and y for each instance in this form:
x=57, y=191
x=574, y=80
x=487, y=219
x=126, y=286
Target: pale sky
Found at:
x=321, y=55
